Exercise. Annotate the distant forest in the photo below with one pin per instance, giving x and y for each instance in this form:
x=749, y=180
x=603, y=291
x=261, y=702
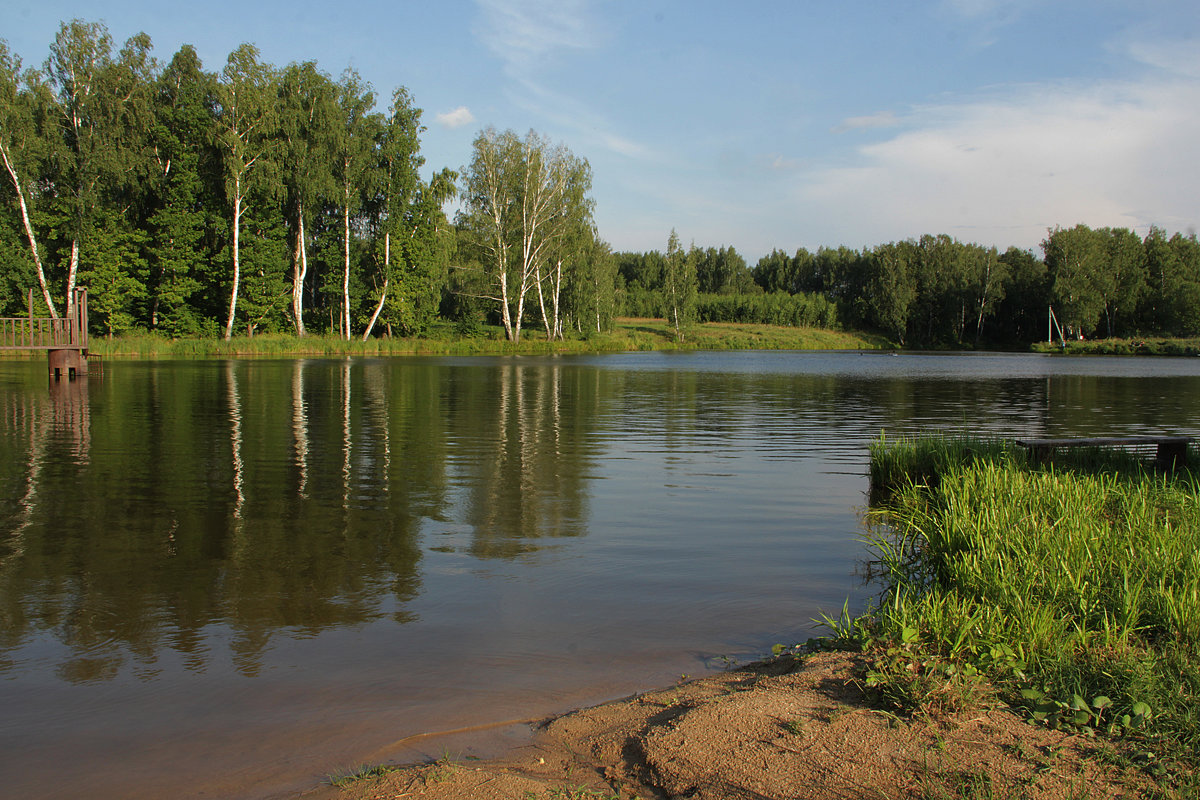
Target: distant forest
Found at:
x=281, y=199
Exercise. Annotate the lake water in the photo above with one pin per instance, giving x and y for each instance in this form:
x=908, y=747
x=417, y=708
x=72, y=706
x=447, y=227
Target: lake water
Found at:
x=233, y=578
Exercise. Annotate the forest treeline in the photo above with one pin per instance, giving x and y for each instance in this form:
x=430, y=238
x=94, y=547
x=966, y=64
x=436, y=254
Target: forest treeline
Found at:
x=261, y=198
x=936, y=291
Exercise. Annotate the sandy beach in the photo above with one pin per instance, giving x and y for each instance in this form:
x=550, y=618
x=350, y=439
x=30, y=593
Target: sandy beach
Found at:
x=787, y=728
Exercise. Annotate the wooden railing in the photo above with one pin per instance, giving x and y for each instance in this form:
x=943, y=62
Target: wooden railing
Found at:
x=47, y=333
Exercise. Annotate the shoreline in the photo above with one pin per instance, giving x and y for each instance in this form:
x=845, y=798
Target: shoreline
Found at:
x=798, y=728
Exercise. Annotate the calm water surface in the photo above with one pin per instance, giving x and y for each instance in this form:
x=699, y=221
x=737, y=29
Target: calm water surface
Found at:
x=232, y=578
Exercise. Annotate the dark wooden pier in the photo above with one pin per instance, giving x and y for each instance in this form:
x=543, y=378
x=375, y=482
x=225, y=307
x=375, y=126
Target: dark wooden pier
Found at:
x=65, y=339
x=1170, y=452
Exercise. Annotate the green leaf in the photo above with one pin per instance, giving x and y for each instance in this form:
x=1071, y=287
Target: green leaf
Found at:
x=1100, y=703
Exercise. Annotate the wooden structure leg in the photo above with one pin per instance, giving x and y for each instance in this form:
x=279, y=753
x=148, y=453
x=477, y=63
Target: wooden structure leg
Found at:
x=1171, y=455
x=68, y=364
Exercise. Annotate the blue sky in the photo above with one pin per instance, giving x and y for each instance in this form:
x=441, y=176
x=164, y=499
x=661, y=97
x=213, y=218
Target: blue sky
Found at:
x=765, y=124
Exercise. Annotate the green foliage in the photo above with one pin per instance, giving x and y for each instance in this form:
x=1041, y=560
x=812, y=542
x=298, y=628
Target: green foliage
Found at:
x=526, y=220
x=1084, y=716
x=680, y=286
x=114, y=273
x=1124, y=347
x=641, y=271
x=1074, y=587
x=165, y=169
x=472, y=337
x=1098, y=276
x=181, y=213
x=1020, y=315
x=266, y=291
x=723, y=271
x=348, y=777
x=777, y=308
x=636, y=301
x=1171, y=303
x=776, y=272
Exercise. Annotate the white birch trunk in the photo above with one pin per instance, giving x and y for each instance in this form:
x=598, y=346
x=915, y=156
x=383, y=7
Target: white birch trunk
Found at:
x=33, y=248
x=558, y=270
x=346, y=270
x=378, y=309
x=387, y=258
x=546, y=323
x=237, y=265
x=299, y=271
x=72, y=272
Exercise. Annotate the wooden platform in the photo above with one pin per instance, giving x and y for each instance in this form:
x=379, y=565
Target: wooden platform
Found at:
x=65, y=339
x=1169, y=451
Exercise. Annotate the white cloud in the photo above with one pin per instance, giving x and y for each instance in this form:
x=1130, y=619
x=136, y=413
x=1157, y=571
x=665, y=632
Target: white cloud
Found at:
x=521, y=32
x=529, y=36
x=1179, y=57
x=455, y=119
x=1002, y=170
x=882, y=119
x=973, y=9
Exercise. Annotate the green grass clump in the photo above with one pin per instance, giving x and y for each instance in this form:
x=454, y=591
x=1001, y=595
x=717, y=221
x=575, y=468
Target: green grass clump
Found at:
x=1124, y=347
x=1073, y=587
x=349, y=777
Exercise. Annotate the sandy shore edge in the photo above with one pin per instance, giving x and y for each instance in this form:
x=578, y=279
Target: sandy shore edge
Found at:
x=786, y=728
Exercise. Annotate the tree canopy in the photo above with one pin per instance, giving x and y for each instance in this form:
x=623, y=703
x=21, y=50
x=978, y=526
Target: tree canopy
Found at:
x=261, y=198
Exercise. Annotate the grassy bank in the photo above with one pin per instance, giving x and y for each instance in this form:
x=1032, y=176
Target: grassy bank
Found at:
x=1071, y=589
x=1124, y=347
x=446, y=339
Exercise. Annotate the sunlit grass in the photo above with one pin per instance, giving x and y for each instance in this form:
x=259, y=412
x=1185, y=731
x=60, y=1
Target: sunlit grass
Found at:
x=446, y=339
x=1124, y=347
x=1077, y=581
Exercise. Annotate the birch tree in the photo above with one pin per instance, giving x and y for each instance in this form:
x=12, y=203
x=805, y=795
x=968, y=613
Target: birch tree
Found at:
x=567, y=233
x=21, y=149
x=308, y=127
x=590, y=291
x=79, y=52
x=520, y=197
x=76, y=142
x=1127, y=275
x=989, y=278
x=357, y=158
x=490, y=218
x=680, y=286
x=246, y=123
x=410, y=215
